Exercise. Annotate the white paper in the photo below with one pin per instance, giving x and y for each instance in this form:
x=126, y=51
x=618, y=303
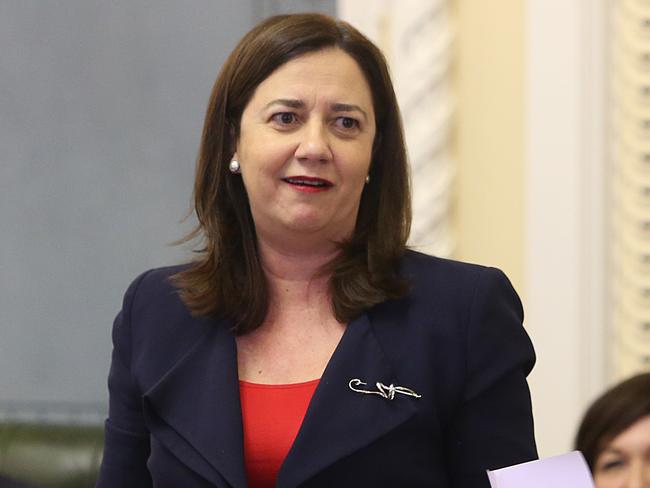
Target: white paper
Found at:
x=564, y=471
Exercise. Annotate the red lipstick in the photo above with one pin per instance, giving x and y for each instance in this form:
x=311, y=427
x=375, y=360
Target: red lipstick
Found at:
x=308, y=184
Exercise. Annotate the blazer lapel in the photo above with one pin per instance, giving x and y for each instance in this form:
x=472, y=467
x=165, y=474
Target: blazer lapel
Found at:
x=194, y=410
x=339, y=420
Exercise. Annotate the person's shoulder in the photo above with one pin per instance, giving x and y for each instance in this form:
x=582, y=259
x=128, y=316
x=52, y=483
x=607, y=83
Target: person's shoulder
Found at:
x=417, y=264
x=427, y=273
x=154, y=287
x=158, y=278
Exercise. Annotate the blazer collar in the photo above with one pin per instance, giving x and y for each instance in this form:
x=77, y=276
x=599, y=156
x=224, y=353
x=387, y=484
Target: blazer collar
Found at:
x=194, y=409
x=339, y=420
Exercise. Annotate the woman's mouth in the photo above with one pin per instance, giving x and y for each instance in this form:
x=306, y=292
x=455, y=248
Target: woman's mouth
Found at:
x=308, y=184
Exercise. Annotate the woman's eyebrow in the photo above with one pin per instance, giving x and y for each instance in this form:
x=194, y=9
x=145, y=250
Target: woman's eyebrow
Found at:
x=611, y=450
x=287, y=102
x=347, y=107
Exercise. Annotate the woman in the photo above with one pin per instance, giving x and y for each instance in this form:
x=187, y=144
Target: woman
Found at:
x=305, y=346
x=614, y=435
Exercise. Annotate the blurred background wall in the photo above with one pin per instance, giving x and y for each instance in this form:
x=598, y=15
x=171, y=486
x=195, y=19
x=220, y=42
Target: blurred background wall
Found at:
x=101, y=107
x=565, y=221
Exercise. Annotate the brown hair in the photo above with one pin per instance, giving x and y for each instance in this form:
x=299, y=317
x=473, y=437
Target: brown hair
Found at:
x=611, y=414
x=227, y=279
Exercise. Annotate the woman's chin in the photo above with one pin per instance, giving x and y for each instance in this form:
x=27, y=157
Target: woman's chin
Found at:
x=306, y=226
x=312, y=226
x=303, y=223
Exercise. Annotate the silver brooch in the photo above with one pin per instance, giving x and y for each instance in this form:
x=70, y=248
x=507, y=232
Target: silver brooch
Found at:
x=384, y=391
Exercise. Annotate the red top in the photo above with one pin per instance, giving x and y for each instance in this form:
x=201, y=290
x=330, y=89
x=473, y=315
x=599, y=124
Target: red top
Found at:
x=271, y=415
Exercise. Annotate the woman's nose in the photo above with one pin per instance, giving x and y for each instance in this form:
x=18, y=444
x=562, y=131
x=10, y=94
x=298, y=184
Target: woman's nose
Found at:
x=314, y=143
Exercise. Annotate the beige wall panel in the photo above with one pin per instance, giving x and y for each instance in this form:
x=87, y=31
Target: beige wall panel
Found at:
x=489, y=134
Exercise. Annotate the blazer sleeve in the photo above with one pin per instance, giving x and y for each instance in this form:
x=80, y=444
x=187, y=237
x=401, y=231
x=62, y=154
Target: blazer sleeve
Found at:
x=493, y=424
x=126, y=438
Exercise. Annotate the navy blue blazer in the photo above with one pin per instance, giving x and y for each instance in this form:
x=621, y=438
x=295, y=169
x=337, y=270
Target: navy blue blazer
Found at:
x=456, y=340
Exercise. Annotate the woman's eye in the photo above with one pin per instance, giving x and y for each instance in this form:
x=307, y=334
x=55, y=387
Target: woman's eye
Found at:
x=609, y=465
x=347, y=123
x=284, y=118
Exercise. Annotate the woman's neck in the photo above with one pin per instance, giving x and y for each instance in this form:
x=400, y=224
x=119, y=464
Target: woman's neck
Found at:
x=294, y=275
x=294, y=265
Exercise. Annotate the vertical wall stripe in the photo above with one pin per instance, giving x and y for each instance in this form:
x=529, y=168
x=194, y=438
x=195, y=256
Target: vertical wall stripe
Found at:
x=629, y=118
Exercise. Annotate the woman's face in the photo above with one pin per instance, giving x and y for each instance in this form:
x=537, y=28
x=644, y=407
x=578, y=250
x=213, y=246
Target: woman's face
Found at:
x=625, y=461
x=305, y=146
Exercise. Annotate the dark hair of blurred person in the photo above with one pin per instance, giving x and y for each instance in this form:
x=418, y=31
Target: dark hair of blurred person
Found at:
x=613, y=430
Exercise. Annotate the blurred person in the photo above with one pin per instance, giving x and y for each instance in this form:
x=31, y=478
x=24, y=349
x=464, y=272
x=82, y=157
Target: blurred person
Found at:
x=614, y=435
x=305, y=345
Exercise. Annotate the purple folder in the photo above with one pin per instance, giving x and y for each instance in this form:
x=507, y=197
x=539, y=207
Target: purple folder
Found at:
x=564, y=471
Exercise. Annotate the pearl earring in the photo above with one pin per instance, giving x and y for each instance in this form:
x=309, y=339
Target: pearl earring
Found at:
x=234, y=166
x=367, y=179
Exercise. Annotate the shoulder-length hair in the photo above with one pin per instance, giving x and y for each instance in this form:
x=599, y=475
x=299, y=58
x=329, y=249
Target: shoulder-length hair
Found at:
x=612, y=413
x=227, y=278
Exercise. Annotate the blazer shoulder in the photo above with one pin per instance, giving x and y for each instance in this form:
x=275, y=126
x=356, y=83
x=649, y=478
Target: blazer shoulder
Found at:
x=447, y=285
x=153, y=288
x=152, y=303
x=415, y=260
x=156, y=280
x=423, y=269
